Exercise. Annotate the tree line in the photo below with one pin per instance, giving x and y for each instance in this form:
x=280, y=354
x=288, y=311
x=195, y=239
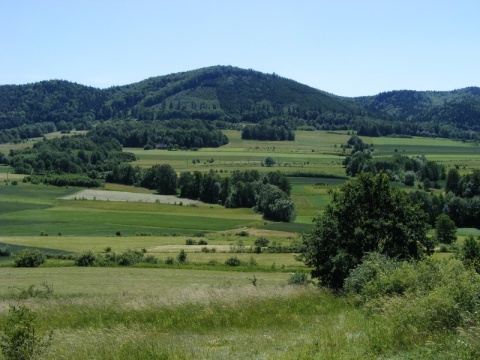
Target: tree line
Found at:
x=268, y=194
x=399, y=168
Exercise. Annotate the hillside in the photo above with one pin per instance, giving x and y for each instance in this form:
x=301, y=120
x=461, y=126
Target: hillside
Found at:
x=223, y=95
x=214, y=93
x=460, y=108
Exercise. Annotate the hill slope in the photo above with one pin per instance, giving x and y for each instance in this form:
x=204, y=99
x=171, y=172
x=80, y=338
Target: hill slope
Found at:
x=460, y=108
x=229, y=95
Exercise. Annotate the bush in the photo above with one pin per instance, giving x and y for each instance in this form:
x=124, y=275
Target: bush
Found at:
x=170, y=261
x=233, y=261
x=150, y=259
x=19, y=340
x=428, y=295
x=202, y=242
x=190, y=242
x=298, y=278
x=130, y=257
x=242, y=233
x=86, y=259
x=182, y=256
x=31, y=292
x=28, y=258
x=262, y=241
x=5, y=251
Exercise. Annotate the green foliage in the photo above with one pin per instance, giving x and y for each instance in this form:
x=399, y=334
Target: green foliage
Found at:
x=445, y=229
x=275, y=204
x=130, y=257
x=86, y=259
x=28, y=258
x=262, y=241
x=233, y=261
x=298, y=278
x=220, y=97
x=79, y=154
x=32, y=292
x=64, y=180
x=5, y=251
x=19, y=340
x=470, y=253
x=365, y=215
x=269, y=161
x=164, y=134
x=182, y=256
x=265, y=131
x=163, y=178
x=428, y=295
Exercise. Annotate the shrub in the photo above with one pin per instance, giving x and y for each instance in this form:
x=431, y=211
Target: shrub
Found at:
x=298, y=278
x=31, y=292
x=170, y=260
x=182, y=256
x=262, y=241
x=130, y=257
x=202, y=242
x=19, y=340
x=233, y=261
x=190, y=242
x=28, y=258
x=5, y=251
x=86, y=259
x=150, y=259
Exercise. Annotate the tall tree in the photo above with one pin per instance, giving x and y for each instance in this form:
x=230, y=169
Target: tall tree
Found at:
x=445, y=229
x=365, y=215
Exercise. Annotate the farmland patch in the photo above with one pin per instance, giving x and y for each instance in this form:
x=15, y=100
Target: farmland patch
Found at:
x=121, y=196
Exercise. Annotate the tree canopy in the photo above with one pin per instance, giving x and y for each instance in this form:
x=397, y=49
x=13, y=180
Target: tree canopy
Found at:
x=365, y=215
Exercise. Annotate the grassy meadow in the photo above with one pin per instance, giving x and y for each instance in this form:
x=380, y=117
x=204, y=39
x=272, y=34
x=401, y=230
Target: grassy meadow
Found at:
x=202, y=309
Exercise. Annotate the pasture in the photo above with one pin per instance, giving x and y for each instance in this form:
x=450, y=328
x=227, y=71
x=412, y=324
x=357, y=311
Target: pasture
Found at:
x=201, y=308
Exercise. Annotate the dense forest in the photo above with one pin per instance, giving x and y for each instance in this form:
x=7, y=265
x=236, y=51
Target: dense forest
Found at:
x=225, y=96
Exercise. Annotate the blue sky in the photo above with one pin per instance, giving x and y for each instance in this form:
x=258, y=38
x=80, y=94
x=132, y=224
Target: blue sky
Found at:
x=345, y=47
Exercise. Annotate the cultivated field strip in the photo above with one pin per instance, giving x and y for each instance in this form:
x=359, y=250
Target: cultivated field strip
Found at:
x=121, y=196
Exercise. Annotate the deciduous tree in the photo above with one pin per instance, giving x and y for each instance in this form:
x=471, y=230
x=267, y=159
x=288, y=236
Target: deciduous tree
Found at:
x=365, y=215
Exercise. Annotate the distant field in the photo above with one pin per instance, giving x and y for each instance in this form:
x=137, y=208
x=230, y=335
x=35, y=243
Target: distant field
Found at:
x=123, y=196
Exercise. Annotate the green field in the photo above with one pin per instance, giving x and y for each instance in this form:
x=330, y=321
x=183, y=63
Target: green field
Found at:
x=203, y=308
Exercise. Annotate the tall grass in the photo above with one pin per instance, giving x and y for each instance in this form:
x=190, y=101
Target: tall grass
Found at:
x=285, y=322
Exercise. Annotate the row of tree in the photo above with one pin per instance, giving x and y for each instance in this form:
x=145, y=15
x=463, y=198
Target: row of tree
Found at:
x=466, y=186
x=77, y=154
x=399, y=168
x=265, y=131
x=267, y=194
x=183, y=134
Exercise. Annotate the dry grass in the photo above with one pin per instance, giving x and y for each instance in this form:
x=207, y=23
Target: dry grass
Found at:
x=122, y=196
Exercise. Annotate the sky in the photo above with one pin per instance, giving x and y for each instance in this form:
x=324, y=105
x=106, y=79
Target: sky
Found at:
x=344, y=47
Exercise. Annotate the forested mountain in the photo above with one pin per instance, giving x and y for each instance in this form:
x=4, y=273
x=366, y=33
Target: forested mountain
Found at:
x=457, y=108
x=223, y=95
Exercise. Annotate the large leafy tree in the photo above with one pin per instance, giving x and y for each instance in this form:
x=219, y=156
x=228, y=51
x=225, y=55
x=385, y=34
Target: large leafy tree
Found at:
x=365, y=215
x=445, y=229
x=161, y=177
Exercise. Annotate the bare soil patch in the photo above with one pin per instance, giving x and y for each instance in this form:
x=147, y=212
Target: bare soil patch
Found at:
x=121, y=196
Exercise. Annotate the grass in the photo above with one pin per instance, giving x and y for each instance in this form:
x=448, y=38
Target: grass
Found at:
x=224, y=320
x=85, y=282
x=197, y=310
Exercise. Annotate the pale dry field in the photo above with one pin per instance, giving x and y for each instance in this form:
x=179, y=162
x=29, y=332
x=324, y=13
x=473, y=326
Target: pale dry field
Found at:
x=121, y=196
